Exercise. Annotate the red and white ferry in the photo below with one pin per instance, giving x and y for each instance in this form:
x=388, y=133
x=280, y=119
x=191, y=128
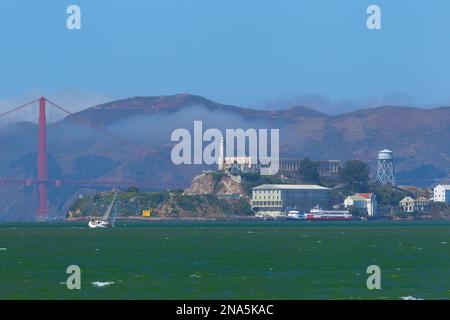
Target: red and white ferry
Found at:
x=318, y=214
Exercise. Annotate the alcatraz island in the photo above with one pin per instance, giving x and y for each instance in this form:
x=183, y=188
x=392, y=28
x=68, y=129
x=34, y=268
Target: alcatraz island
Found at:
x=237, y=191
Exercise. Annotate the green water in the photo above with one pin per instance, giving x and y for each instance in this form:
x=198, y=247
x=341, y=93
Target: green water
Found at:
x=226, y=260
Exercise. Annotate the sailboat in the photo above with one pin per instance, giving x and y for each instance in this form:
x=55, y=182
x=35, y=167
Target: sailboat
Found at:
x=103, y=222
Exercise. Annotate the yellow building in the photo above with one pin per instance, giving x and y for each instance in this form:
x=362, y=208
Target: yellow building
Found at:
x=146, y=213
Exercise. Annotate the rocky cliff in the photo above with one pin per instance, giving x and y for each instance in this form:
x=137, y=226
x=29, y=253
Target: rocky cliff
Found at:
x=218, y=184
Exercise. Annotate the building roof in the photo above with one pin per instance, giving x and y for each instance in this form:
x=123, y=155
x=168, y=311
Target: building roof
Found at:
x=407, y=198
x=290, y=187
x=356, y=198
x=364, y=195
x=445, y=186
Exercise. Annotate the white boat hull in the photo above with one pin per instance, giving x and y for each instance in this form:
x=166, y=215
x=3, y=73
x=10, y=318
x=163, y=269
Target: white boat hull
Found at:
x=97, y=224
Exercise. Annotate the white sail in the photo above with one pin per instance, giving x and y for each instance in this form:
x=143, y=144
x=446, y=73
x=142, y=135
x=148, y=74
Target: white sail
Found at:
x=108, y=211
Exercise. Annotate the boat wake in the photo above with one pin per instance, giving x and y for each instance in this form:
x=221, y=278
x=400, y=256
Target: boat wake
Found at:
x=102, y=284
x=410, y=298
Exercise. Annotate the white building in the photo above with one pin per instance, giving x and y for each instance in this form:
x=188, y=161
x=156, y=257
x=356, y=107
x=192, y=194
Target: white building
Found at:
x=441, y=193
x=365, y=202
x=273, y=199
x=421, y=204
x=407, y=204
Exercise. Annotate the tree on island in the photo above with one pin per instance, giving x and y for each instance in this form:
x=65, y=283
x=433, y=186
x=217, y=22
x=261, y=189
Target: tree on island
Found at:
x=356, y=175
x=133, y=189
x=309, y=171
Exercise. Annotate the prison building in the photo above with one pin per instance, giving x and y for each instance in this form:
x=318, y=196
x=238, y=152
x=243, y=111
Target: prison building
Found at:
x=326, y=167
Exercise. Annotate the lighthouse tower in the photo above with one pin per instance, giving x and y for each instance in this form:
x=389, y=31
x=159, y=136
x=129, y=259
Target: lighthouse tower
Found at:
x=221, y=160
x=385, y=170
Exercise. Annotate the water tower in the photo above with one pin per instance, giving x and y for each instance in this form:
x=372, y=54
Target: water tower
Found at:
x=385, y=171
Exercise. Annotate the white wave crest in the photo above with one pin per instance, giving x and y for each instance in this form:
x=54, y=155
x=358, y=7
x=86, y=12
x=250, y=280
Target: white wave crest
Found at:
x=102, y=283
x=410, y=298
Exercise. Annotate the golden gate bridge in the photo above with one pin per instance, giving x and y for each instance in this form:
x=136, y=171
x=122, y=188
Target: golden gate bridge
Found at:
x=43, y=183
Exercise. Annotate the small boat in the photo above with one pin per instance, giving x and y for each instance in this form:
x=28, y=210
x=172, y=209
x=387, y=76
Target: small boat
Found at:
x=98, y=224
x=295, y=215
x=104, y=221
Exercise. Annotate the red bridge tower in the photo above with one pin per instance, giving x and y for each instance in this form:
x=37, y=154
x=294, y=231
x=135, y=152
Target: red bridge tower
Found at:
x=42, y=212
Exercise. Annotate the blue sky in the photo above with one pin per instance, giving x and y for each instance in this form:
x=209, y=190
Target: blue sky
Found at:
x=253, y=53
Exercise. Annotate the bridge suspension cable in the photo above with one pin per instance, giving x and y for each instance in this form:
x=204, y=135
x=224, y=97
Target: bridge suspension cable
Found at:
x=18, y=108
